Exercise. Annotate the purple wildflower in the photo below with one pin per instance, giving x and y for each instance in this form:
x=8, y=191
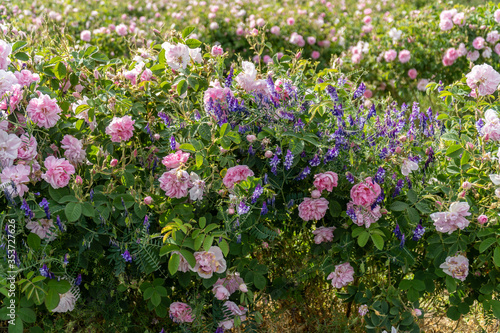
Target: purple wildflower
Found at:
x=288, y=160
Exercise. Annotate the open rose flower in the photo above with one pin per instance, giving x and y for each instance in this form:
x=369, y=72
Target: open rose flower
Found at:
x=209, y=262
x=323, y=234
x=457, y=267
x=73, y=149
x=58, y=173
x=453, y=219
x=365, y=193
x=9, y=146
x=19, y=175
x=174, y=160
x=313, y=209
x=121, y=129
x=236, y=174
x=42, y=228
x=180, y=313
x=342, y=276
x=175, y=183
x=43, y=111
x=325, y=181
x=66, y=302
x=483, y=78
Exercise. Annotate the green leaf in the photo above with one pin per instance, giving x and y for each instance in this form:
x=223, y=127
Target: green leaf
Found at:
x=224, y=247
x=454, y=151
x=412, y=196
x=465, y=158
x=413, y=215
x=193, y=43
x=27, y=315
x=18, y=45
x=486, y=244
x=60, y=70
x=405, y=284
x=187, y=31
x=173, y=263
x=378, y=241
x=99, y=57
x=398, y=206
x=21, y=56
x=52, y=299
x=156, y=299
x=18, y=326
x=453, y=313
x=198, y=241
x=451, y=284
x=187, y=147
x=233, y=136
x=73, y=211
x=34, y=241
x=189, y=257
x=167, y=248
x=496, y=256
x=62, y=286
x=81, y=108
x=181, y=87
x=363, y=238
x=207, y=243
x=202, y=222
x=357, y=231
x=495, y=306
x=199, y=160
x=224, y=129
x=259, y=281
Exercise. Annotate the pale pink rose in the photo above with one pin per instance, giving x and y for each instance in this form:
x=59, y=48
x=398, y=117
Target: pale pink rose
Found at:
x=42, y=229
x=231, y=282
x=297, y=39
x=268, y=154
x=473, y=56
x=452, y=54
x=462, y=50
x=121, y=129
x=445, y=25
x=315, y=194
x=176, y=56
x=497, y=48
x=180, y=313
x=275, y=30
x=422, y=83
x=236, y=174
x=174, y=160
x=408, y=166
x=12, y=98
x=217, y=93
x=356, y=58
x=113, y=163
x=453, y=219
x=19, y=174
x=221, y=293
x=198, y=187
x=73, y=149
x=478, y=43
x=58, y=171
x=342, y=276
x=487, y=52
x=483, y=78
x=251, y=138
x=364, y=215
x=497, y=15
x=390, y=55
x=43, y=111
x=5, y=51
x=147, y=75
x=315, y=55
x=404, y=56
x=66, y=302
x=447, y=61
x=313, y=209
x=235, y=310
x=326, y=181
x=493, y=37
x=121, y=29
x=148, y=200
x=412, y=73
x=417, y=312
x=459, y=19
x=25, y=77
x=365, y=193
x=457, y=267
x=209, y=262
x=175, y=183
x=85, y=35
x=482, y=219
x=290, y=21
x=217, y=50
x=311, y=40
x=323, y=234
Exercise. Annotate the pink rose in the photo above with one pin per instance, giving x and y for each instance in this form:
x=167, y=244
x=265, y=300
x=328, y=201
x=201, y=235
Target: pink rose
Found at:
x=251, y=138
x=148, y=200
x=28, y=149
x=315, y=55
x=459, y=19
x=19, y=175
x=43, y=111
x=404, y=56
x=445, y=25
x=290, y=21
x=484, y=78
x=175, y=183
x=363, y=215
x=221, y=293
x=121, y=129
x=478, y=43
x=326, y=181
x=85, y=35
x=311, y=40
x=365, y=193
x=275, y=30
x=174, y=160
x=209, y=262
x=313, y=209
x=78, y=180
x=5, y=51
x=73, y=149
x=457, y=267
x=180, y=313
x=42, y=229
x=217, y=50
x=453, y=219
x=121, y=29
x=412, y=73
x=497, y=15
x=390, y=55
x=323, y=234
x=58, y=171
x=113, y=163
x=342, y=276
x=236, y=174
x=482, y=219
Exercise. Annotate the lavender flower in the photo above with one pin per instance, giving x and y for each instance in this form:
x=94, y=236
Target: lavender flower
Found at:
x=27, y=211
x=330, y=155
x=315, y=161
x=379, y=176
x=264, y=209
x=360, y=91
x=333, y=93
x=350, y=178
x=78, y=279
x=59, y=224
x=303, y=174
x=397, y=232
x=257, y=193
x=242, y=208
x=418, y=232
x=172, y=143
x=45, y=205
x=229, y=79
x=197, y=115
x=92, y=195
x=288, y=160
x=351, y=213
x=479, y=126
x=165, y=118
x=399, y=187
x=274, y=163
x=126, y=255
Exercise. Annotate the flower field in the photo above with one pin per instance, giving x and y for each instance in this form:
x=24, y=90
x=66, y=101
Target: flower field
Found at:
x=249, y=166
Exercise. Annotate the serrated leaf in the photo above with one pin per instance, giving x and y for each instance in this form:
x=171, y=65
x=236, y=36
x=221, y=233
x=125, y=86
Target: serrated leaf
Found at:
x=187, y=31
x=73, y=211
x=21, y=56
x=60, y=70
x=398, y=206
x=181, y=87
x=18, y=45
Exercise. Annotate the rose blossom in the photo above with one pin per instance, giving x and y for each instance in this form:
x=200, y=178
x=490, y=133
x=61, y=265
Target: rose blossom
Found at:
x=66, y=302
x=209, y=262
x=217, y=50
x=496, y=15
x=422, y=83
x=5, y=51
x=363, y=215
x=73, y=149
x=482, y=219
x=365, y=193
x=453, y=219
x=221, y=293
x=390, y=55
x=25, y=77
x=404, y=56
x=473, y=56
x=19, y=174
x=478, y=43
x=457, y=267
x=121, y=29
x=121, y=129
x=180, y=313
x=44, y=111
x=313, y=209
x=176, y=56
x=412, y=73
x=236, y=174
x=493, y=37
x=491, y=128
x=175, y=183
x=235, y=311
x=85, y=35
x=326, y=181
x=9, y=147
x=342, y=276
x=363, y=310
x=58, y=171
x=483, y=78
x=231, y=282
x=42, y=229
x=198, y=187
x=148, y=200
x=174, y=160
x=323, y=234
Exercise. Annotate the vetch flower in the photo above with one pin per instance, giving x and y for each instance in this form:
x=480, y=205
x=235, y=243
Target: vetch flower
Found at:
x=242, y=208
x=126, y=255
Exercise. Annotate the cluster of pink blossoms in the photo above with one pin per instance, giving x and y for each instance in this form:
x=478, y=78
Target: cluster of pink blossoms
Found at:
x=361, y=208
x=342, y=276
x=491, y=128
x=315, y=208
x=224, y=288
x=180, y=313
x=176, y=183
x=450, y=17
x=457, y=267
x=236, y=174
x=453, y=219
x=323, y=234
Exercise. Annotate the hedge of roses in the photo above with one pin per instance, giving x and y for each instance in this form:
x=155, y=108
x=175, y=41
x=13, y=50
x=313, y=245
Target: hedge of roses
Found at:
x=154, y=183
x=383, y=39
